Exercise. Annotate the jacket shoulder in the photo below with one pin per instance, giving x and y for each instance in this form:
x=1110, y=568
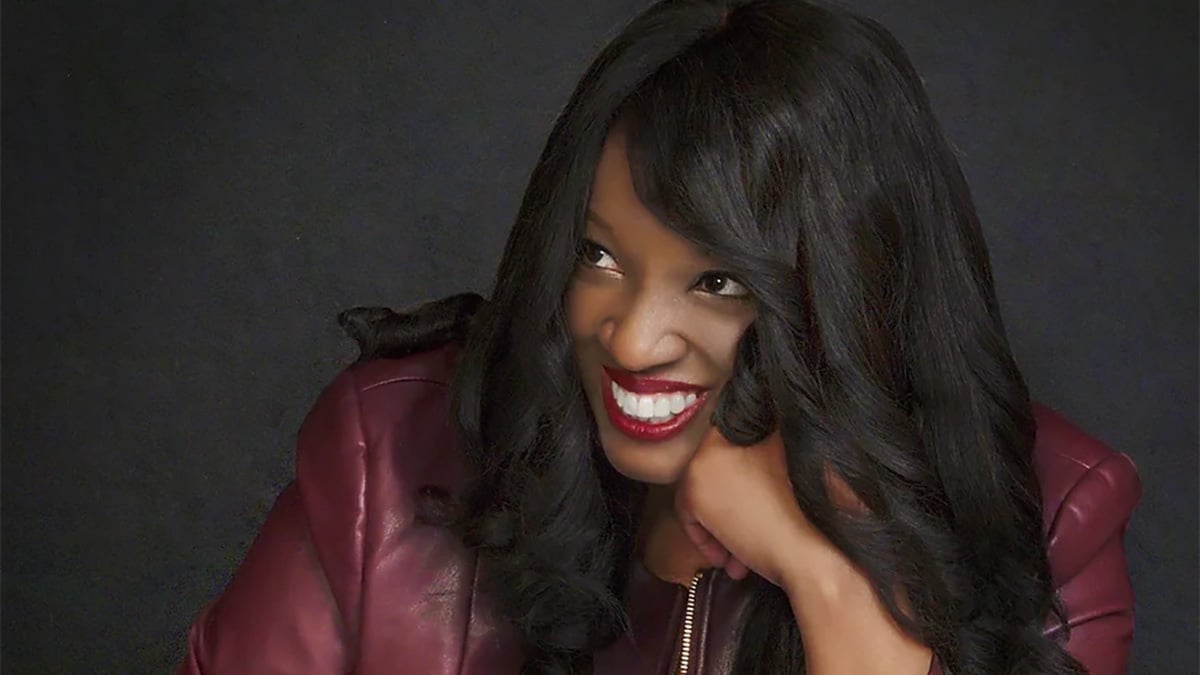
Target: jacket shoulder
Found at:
x=344, y=576
x=435, y=366
x=398, y=408
x=1088, y=492
x=377, y=434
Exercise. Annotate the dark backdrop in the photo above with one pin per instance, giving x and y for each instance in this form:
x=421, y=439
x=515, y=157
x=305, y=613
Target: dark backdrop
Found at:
x=192, y=190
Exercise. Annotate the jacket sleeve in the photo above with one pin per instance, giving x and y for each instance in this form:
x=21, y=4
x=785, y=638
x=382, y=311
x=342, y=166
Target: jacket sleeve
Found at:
x=1087, y=562
x=293, y=604
x=1089, y=565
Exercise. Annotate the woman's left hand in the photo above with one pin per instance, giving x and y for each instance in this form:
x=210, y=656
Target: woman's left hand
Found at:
x=736, y=505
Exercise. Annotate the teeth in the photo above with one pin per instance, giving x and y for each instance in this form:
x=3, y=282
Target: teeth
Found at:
x=662, y=406
x=630, y=405
x=645, y=406
x=656, y=408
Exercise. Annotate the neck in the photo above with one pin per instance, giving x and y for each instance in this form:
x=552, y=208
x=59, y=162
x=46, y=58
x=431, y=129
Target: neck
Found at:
x=664, y=548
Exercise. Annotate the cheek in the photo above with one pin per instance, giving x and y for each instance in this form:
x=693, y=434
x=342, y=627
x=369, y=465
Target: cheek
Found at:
x=579, y=312
x=585, y=308
x=719, y=339
x=575, y=306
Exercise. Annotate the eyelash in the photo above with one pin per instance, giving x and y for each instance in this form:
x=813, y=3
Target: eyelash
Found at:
x=587, y=246
x=729, y=279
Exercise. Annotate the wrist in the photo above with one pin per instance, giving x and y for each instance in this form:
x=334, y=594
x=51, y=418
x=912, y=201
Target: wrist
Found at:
x=825, y=581
x=846, y=627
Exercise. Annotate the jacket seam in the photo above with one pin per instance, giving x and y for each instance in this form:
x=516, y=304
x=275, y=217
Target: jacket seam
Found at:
x=1076, y=621
x=364, y=454
x=462, y=652
x=400, y=379
x=200, y=646
x=1079, y=462
x=1067, y=498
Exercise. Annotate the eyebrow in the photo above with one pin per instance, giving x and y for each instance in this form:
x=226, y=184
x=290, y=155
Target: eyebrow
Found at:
x=595, y=218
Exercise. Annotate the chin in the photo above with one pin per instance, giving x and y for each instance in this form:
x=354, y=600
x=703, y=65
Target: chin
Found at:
x=651, y=462
x=659, y=463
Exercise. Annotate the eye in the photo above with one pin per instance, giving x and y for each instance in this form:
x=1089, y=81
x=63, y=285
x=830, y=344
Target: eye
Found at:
x=722, y=284
x=595, y=255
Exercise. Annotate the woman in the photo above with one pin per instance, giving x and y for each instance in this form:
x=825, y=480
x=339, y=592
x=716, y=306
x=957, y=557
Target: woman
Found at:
x=741, y=402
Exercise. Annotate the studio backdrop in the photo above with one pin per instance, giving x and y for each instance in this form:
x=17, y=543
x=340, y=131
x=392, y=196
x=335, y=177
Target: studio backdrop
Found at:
x=193, y=190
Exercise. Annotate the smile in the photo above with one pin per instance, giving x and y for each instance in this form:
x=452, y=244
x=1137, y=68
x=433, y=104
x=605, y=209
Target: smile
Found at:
x=646, y=409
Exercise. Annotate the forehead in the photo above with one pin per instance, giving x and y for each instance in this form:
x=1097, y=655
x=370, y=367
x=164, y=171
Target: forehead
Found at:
x=616, y=211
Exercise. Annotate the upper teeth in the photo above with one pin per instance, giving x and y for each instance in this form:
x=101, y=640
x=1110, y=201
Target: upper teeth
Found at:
x=654, y=408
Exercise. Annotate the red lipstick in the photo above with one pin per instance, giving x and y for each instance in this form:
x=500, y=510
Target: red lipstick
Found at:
x=638, y=429
x=640, y=384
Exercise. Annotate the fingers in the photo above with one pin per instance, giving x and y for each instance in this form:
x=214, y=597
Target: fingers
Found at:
x=736, y=569
x=713, y=551
x=703, y=540
x=746, y=469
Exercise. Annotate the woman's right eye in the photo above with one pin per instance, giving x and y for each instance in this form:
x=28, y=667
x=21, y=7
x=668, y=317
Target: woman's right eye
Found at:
x=595, y=255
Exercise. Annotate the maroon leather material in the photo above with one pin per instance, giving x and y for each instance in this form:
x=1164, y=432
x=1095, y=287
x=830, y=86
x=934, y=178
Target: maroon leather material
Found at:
x=342, y=579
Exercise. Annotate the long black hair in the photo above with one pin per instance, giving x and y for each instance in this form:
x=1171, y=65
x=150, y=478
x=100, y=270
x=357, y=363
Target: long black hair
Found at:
x=795, y=143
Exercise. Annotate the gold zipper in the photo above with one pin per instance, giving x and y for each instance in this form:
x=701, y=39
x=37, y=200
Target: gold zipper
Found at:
x=689, y=617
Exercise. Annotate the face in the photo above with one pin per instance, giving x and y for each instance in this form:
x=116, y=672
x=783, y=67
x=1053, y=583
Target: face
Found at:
x=655, y=326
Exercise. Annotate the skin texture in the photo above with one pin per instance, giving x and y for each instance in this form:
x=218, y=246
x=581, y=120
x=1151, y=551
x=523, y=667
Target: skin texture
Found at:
x=646, y=301
x=649, y=304
x=735, y=505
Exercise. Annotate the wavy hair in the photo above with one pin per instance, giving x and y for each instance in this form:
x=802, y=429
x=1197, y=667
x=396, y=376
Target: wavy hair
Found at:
x=795, y=143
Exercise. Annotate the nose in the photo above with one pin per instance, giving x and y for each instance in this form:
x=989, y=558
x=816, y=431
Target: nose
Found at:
x=644, y=333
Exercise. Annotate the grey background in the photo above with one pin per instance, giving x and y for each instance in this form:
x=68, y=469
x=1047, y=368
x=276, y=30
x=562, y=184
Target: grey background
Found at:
x=192, y=190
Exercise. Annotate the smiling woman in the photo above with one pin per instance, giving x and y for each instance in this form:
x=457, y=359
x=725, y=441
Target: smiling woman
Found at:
x=741, y=402
x=654, y=325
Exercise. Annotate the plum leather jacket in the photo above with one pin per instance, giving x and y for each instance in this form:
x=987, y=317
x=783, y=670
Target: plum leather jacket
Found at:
x=341, y=579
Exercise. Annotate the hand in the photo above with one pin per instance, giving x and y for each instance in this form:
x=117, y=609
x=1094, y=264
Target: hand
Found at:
x=737, y=507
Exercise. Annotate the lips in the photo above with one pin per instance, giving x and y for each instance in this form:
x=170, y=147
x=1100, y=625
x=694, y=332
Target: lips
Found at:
x=640, y=384
x=647, y=391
